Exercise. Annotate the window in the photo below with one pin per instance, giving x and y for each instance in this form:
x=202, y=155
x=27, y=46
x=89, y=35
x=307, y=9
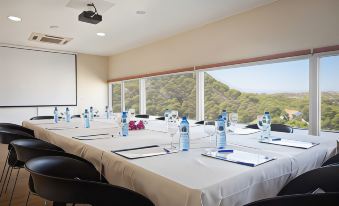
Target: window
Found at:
x=280, y=88
x=175, y=92
x=116, y=97
x=132, y=95
x=329, y=87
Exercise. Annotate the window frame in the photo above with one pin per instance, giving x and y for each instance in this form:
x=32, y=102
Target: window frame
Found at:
x=314, y=87
x=318, y=57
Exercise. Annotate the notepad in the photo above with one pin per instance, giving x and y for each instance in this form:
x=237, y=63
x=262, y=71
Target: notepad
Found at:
x=142, y=152
x=291, y=143
x=240, y=157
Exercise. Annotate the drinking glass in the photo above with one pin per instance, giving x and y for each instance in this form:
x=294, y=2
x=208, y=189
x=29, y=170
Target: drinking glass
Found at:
x=131, y=114
x=172, y=128
x=209, y=128
x=174, y=114
x=234, y=120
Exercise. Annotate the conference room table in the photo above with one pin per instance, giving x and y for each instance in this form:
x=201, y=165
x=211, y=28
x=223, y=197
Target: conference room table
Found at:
x=186, y=178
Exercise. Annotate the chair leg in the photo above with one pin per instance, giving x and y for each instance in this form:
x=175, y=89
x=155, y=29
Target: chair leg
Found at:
x=3, y=185
x=3, y=170
x=29, y=194
x=16, y=179
x=9, y=179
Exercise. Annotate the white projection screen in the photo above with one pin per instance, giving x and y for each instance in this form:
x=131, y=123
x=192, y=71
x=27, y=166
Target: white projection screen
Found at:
x=37, y=78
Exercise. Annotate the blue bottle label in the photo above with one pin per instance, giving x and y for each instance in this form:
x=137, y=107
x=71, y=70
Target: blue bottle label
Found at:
x=221, y=135
x=184, y=138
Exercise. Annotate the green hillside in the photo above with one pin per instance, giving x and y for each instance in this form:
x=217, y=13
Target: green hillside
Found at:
x=178, y=92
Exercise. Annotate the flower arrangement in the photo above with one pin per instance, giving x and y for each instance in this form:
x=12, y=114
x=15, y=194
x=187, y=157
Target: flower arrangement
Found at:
x=136, y=125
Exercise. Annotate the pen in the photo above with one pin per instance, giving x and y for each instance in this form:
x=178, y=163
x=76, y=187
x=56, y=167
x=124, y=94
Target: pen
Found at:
x=225, y=151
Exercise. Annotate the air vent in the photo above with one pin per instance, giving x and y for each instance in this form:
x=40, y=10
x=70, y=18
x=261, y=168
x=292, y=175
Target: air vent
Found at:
x=45, y=38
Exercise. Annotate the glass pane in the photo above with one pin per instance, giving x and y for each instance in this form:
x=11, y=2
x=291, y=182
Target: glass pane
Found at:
x=329, y=87
x=116, y=97
x=175, y=92
x=280, y=88
x=132, y=95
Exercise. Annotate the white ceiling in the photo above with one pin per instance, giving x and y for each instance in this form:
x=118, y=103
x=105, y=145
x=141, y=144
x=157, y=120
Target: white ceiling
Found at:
x=123, y=27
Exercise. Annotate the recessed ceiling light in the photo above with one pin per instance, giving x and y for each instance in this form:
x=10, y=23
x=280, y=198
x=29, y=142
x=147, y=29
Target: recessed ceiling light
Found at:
x=140, y=12
x=101, y=34
x=53, y=26
x=14, y=18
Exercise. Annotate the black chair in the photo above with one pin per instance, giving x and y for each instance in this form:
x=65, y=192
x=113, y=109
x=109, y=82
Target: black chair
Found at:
x=144, y=116
x=11, y=162
x=6, y=136
x=59, y=179
x=332, y=160
x=160, y=118
x=76, y=116
x=27, y=149
x=42, y=117
x=323, y=199
x=324, y=178
x=16, y=127
x=200, y=122
x=274, y=127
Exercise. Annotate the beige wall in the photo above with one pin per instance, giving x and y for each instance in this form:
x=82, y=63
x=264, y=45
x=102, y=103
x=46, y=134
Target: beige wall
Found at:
x=92, y=81
x=283, y=26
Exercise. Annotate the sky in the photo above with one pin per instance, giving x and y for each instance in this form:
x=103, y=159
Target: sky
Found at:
x=292, y=76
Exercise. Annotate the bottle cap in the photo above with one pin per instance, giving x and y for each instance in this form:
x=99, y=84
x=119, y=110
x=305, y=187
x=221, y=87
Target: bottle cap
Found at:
x=184, y=118
x=67, y=109
x=86, y=110
x=224, y=110
x=267, y=112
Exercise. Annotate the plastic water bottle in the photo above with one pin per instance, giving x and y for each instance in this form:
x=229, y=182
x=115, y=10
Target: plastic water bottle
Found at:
x=124, y=124
x=91, y=113
x=224, y=115
x=67, y=115
x=56, y=115
x=184, y=141
x=221, y=134
x=166, y=114
x=107, y=112
x=266, y=123
x=86, y=118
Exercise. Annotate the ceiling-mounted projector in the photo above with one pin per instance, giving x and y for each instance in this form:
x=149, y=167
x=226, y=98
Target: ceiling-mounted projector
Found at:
x=91, y=17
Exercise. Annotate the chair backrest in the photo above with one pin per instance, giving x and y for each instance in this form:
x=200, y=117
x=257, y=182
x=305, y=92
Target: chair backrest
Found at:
x=8, y=135
x=76, y=116
x=160, y=118
x=17, y=127
x=332, y=160
x=325, y=178
x=42, y=117
x=200, y=122
x=60, y=179
x=328, y=199
x=144, y=116
x=274, y=127
x=27, y=149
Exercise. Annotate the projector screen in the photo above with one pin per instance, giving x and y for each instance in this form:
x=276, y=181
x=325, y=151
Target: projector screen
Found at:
x=37, y=78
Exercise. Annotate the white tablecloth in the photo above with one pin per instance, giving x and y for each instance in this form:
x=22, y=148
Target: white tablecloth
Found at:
x=187, y=178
